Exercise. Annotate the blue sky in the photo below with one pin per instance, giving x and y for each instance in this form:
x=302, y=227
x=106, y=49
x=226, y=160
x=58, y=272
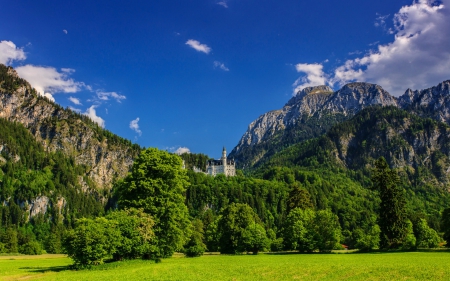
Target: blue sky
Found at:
x=194, y=74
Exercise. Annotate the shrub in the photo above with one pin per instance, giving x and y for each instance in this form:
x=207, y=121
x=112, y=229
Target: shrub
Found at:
x=195, y=246
x=31, y=248
x=91, y=241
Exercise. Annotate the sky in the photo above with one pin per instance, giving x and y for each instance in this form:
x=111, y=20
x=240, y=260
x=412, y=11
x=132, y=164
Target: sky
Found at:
x=190, y=76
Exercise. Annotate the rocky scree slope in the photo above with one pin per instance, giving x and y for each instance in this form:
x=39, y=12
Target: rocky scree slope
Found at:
x=105, y=155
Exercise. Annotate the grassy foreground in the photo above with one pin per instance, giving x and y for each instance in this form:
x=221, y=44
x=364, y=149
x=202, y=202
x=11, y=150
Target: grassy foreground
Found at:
x=375, y=266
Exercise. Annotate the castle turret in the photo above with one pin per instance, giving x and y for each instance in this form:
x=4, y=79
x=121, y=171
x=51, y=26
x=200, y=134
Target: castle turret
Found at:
x=224, y=156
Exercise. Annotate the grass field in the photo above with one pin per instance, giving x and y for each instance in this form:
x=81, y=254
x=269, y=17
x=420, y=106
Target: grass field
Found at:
x=374, y=266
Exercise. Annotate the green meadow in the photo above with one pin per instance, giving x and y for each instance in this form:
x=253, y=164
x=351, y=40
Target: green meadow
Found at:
x=351, y=266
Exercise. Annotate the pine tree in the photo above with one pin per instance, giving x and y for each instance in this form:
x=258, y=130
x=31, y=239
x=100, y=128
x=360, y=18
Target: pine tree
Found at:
x=392, y=214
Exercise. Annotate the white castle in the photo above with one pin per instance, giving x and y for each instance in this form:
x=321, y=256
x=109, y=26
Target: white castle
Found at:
x=222, y=166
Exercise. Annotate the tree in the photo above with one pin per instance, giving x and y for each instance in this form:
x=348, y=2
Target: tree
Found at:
x=308, y=230
x=136, y=233
x=195, y=246
x=255, y=238
x=392, y=213
x=299, y=198
x=299, y=233
x=425, y=235
x=91, y=241
x=366, y=241
x=231, y=226
x=156, y=184
x=445, y=226
x=328, y=230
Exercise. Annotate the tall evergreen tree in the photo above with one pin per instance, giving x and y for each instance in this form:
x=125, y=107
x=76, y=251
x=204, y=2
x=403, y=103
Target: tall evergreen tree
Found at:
x=392, y=214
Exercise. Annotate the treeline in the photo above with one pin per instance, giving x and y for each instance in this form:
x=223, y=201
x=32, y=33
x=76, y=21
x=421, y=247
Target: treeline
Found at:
x=197, y=160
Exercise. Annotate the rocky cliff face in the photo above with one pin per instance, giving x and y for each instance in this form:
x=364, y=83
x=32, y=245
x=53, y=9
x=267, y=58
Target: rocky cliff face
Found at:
x=433, y=102
x=310, y=113
x=60, y=129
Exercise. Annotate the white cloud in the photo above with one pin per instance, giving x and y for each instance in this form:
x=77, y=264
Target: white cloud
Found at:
x=223, y=3
x=75, y=109
x=135, y=126
x=419, y=56
x=65, y=31
x=181, y=150
x=380, y=21
x=75, y=100
x=91, y=113
x=314, y=76
x=9, y=52
x=198, y=46
x=107, y=95
x=218, y=64
x=47, y=80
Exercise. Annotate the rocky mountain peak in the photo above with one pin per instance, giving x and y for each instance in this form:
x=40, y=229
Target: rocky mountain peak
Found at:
x=323, y=89
x=433, y=102
x=353, y=97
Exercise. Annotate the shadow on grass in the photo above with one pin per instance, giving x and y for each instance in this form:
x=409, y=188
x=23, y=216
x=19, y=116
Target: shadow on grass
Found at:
x=40, y=269
x=356, y=252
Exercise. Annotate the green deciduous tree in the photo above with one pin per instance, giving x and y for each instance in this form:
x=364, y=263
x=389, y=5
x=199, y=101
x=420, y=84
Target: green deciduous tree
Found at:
x=195, y=246
x=91, y=241
x=255, y=238
x=425, y=235
x=136, y=233
x=156, y=184
x=392, y=213
x=231, y=226
x=445, y=226
x=366, y=241
x=308, y=230
x=299, y=232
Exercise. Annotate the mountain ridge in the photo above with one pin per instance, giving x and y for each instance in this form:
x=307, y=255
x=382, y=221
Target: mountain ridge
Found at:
x=307, y=115
x=105, y=155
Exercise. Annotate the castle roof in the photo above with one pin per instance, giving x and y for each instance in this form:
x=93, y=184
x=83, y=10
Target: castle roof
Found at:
x=213, y=162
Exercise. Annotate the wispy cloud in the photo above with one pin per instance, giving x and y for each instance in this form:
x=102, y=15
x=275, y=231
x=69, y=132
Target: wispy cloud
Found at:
x=223, y=3
x=380, y=20
x=218, y=64
x=9, y=52
x=75, y=100
x=91, y=113
x=196, y=45
x=104, y=96
x=65, y=31
x=135, y=126
x=75, y=109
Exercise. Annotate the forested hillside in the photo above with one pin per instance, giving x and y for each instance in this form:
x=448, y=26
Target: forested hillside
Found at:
x=41, y=194
x=106, y=155
x=417, y=147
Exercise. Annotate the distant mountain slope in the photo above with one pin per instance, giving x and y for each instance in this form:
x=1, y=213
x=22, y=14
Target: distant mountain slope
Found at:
x=105, y=155
x=307, y=115
x=433, y=102
x=418, y=147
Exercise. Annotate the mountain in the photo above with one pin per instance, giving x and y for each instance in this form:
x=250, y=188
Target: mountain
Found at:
x=105, y=155
x=416, y=146
x=307, y=115
x=433, y=102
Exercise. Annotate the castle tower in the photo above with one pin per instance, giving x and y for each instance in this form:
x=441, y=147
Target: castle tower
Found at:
x=224, y=156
